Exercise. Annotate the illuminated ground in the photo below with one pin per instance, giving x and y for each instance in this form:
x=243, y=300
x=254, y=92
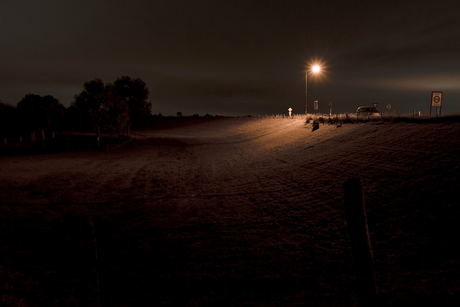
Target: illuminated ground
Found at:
x=233, y=212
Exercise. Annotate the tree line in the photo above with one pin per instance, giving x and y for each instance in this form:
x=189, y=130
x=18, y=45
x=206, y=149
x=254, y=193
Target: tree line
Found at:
x=111, y=107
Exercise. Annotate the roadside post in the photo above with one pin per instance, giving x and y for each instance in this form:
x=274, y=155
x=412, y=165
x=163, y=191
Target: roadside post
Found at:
x=388, y=108
x=436, y=101
x=363, y=259
x=290, y=111
x=330, y=109
x=98, y=139
x=315, y=121
x=315, y=106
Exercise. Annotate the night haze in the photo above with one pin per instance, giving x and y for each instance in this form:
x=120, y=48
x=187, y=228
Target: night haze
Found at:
x=132, y=175
x=236, y=57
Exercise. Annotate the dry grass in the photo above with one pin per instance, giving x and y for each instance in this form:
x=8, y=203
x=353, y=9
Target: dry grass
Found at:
x=233, y=212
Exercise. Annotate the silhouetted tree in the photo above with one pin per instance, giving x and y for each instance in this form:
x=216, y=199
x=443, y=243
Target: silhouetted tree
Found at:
x=33, y=115
x=118, y=110
x=90, y=108
x=56, y=112
x=41, y=113
x=113, y=107
x=8, y=120
x=135, y=93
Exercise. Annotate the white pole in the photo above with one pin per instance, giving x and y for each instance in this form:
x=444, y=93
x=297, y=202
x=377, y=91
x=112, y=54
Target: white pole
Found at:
x=306, y=86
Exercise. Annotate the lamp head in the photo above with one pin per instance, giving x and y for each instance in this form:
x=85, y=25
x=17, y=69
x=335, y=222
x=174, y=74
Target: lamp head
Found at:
x=316, y=68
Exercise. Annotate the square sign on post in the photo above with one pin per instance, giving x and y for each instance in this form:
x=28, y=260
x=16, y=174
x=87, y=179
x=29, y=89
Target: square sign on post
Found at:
x=436, y=101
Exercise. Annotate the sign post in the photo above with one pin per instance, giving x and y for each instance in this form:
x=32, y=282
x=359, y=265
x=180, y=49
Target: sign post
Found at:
x=330, y=109
x=436, y=101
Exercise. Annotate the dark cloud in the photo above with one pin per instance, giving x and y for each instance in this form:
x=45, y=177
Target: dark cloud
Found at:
x=232, y=57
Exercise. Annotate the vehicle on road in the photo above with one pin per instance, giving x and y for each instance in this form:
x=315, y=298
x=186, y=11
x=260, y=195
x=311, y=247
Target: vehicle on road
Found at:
x=365, y=111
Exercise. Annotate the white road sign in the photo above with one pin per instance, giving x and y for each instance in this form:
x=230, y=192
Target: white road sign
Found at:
x=436, y=99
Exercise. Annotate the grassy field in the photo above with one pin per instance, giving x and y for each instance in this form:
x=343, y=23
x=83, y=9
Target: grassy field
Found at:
x=233, y=212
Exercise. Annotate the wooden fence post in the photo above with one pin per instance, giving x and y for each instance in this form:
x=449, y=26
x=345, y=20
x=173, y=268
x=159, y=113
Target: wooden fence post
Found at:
x=91, y=223
x=98, y=139
x=363, y=260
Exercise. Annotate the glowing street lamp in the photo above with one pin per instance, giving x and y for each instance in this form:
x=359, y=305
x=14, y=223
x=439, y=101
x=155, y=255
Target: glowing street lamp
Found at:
x=315, y=69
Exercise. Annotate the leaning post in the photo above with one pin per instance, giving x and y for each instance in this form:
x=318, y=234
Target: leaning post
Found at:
x=363, y=260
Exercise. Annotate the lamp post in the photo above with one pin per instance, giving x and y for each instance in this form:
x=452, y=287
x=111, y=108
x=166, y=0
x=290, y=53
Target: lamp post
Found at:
x=315, y=69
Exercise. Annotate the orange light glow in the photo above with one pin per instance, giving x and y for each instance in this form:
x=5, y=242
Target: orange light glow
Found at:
x=316, y=68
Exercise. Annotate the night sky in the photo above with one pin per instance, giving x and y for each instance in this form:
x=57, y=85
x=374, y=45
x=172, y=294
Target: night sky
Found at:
x=242, y=57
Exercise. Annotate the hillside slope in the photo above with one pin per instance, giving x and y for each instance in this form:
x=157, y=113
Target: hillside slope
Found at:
x=235, y=211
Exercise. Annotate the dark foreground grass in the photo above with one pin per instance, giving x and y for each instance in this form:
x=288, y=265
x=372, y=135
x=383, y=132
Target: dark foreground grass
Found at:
x=65, y=142
x=255, y=248
x=49, y=258
x=144, y=258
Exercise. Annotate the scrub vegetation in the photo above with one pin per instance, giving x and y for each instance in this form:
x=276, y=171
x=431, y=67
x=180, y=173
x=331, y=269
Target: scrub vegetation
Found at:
x=112, y=108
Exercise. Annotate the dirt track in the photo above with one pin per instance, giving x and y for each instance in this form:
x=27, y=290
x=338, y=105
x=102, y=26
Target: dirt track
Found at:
x=240, y=211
